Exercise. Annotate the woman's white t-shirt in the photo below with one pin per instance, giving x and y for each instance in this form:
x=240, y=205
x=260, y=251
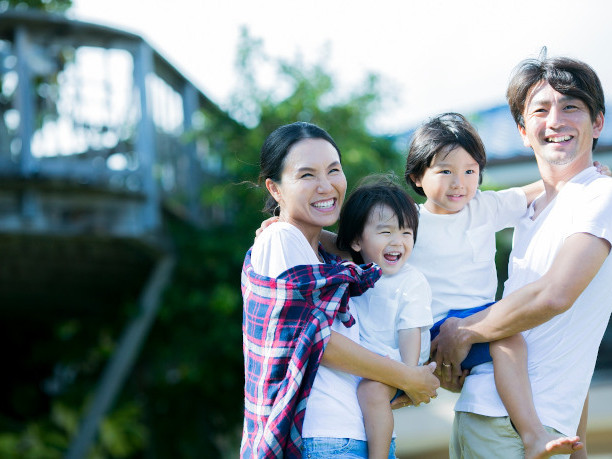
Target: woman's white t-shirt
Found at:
x=332, y=409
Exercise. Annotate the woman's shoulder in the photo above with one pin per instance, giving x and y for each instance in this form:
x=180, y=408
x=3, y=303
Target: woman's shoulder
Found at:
x=279, y=247
x=281, y=233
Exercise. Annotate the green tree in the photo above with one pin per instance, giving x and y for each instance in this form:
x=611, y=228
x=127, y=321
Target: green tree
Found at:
x=50, y=6
x=185, y=395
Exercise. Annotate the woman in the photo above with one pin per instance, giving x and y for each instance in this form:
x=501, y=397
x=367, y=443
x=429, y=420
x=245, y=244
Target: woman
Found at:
x=297, y=313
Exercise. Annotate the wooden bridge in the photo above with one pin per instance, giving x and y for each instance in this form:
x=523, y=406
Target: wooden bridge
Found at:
x=94, y=149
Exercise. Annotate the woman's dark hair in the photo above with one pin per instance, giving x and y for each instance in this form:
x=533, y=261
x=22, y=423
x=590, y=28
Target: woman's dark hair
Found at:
x=371, y=192
x=567, y=76
x=442, y=134
x=275, y=150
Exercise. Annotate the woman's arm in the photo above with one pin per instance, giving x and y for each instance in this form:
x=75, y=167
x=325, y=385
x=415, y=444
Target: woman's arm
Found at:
x=345, y=355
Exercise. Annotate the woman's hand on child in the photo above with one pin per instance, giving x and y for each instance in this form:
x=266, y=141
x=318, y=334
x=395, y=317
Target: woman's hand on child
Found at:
x=267, y=222
x=422, y=388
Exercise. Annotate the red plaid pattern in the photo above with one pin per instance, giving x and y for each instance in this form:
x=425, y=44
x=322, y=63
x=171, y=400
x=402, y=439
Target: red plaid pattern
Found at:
x=286, y=325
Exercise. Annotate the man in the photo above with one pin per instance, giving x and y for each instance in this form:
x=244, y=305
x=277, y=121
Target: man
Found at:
x=559, y=290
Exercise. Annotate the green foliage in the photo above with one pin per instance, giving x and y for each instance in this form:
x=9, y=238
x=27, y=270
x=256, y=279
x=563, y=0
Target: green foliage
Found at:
x=51, y=6
x=192, y=367
x=184, y=398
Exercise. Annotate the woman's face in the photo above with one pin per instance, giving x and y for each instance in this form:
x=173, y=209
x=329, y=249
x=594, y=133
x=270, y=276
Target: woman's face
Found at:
x=312, y=187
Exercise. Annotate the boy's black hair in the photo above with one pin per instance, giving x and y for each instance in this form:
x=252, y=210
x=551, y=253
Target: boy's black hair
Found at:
x=442, y=134
x=372, y=191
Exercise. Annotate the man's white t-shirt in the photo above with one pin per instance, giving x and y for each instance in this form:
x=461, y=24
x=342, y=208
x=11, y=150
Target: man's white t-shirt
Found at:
x=456, y=252
x=332, y=409
x=397, y=302
x=562, y=351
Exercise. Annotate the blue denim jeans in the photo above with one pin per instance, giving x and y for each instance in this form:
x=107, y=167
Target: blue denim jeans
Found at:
x=325, y=447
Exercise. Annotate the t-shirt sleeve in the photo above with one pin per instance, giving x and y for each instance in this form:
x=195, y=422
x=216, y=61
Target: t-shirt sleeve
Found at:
x=506, y=207
x=415, y=303
x=594, y=212
x=279, y=247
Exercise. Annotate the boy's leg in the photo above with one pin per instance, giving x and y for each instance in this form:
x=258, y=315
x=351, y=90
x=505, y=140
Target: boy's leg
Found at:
x=374, y=400
x=514, y=388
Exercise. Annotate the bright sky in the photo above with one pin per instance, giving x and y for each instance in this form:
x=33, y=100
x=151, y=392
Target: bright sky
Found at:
x=433, y=56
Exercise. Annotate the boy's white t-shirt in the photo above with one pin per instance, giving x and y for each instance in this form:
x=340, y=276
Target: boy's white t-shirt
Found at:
x=561, y=352
x=397, y=302
x=332, y=409
x=456, y=252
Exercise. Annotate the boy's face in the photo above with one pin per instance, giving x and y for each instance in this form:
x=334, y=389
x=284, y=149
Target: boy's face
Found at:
x=383, y=242
x=450, y=182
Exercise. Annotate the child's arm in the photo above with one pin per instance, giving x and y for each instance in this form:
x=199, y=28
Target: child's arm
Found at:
x=328, y=241
x=533, y=190
x=409, y=341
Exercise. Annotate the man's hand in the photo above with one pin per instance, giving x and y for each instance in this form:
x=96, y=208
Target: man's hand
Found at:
x=448, y=350
x=456, y=383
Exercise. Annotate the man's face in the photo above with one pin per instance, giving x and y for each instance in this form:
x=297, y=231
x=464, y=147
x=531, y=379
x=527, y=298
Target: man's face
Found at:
x=558, y=127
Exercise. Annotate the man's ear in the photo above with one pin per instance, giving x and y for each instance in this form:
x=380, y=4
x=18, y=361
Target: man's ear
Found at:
x=273, y=189
x=523, y=134
x=598, y=125
x=416, y=180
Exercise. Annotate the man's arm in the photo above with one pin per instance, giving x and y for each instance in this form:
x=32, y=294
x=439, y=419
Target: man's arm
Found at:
x=576, y=264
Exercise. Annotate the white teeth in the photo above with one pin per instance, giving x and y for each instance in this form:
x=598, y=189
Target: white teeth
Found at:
x=558, y=139
x=324, y=204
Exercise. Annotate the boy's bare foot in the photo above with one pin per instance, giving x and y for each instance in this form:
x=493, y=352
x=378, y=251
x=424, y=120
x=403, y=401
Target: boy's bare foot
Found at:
x=550, y=445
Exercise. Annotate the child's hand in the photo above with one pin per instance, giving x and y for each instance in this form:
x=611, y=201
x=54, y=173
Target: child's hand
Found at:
x=602, y=168
x=267, y=222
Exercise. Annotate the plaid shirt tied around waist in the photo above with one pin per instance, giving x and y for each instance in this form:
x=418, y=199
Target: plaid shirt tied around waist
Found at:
x=286, y=325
